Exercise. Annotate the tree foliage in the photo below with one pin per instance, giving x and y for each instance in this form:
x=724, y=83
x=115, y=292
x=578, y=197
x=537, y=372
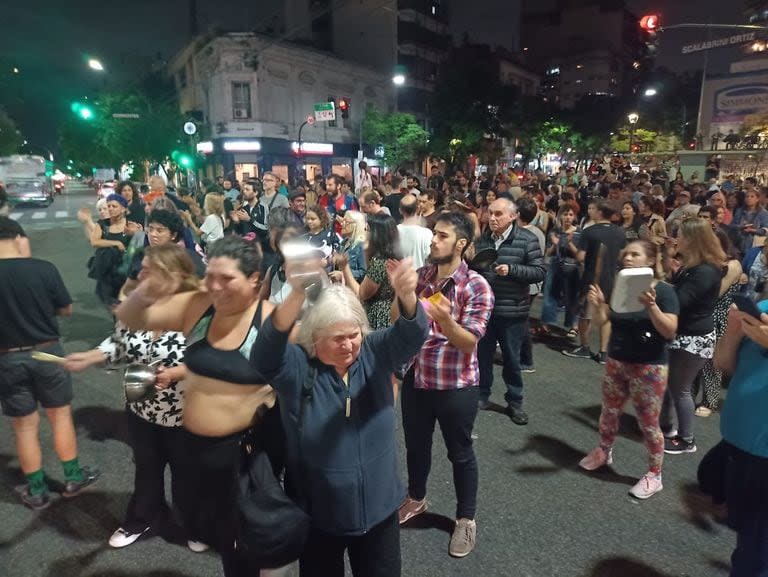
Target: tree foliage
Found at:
x=111, y=141
x=10, y=139
x=403, y=139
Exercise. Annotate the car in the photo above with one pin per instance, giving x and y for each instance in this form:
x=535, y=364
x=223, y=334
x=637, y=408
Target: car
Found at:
x=105, y=189
x=28, y=190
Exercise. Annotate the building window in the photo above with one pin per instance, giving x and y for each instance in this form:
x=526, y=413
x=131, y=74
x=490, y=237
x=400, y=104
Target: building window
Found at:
x=241, y=100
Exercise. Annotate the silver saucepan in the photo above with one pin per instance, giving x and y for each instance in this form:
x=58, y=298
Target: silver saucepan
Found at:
x=139, y=381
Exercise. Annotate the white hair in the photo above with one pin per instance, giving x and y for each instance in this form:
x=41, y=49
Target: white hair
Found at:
x=360, y=233
x=511, y=206
x=336, y=305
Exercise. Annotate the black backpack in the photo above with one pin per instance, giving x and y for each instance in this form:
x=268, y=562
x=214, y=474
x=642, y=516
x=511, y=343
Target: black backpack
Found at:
x=272, y=529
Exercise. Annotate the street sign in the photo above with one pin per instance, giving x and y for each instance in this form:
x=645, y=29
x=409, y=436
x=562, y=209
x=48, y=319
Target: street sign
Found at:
x=325, y=111
x=310, y=119
x=719, y=42
x=190, y=128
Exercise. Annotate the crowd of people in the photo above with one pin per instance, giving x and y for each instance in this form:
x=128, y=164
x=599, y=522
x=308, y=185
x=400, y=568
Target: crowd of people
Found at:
x=424, y=289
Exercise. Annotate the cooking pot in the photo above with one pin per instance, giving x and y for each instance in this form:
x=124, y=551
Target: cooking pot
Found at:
x=139, y=382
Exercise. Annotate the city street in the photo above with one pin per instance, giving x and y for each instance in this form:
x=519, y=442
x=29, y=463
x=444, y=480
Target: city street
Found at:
x=539, y=514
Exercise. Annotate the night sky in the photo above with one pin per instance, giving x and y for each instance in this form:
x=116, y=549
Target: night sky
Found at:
x=50, y=43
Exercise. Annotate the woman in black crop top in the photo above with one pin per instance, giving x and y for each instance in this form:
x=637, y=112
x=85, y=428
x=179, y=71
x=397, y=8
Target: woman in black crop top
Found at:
x=224, y=396
x=697, y=284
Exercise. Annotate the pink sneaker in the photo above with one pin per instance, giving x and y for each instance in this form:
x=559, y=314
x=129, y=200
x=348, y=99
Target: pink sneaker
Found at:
x=409, y=508
x=599, y=457
x=647, y=486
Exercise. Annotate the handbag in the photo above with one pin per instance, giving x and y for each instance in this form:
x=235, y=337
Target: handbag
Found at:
x=272, y=528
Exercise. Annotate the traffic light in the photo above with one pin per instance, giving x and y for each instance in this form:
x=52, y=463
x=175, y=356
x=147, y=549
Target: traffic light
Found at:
x=344, y=107
x=650, y=25
x=183, y=159
x=84, y=111
x=332, y=123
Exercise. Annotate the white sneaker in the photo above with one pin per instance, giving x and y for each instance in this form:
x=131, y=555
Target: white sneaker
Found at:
x=647, y=486
x=122, y=538
x=197, y=546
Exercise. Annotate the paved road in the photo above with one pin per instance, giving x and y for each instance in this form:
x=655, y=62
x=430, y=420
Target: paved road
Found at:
x=539, y=515
x=61, y=214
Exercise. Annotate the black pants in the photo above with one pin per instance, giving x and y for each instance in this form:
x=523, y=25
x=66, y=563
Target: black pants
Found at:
x=375, y=554
x=154, y=448
x=455, y=411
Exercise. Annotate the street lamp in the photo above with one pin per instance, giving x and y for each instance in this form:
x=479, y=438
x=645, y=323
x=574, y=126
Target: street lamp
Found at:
x=649, y=92
x=633, y=117
x=95, y=64
x=398, y=79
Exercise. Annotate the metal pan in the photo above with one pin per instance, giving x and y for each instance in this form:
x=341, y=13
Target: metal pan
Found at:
x=484, y=260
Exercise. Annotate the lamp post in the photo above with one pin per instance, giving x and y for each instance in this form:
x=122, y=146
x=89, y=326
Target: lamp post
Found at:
x=398, y=80
x=633, y=117
x=95, y=64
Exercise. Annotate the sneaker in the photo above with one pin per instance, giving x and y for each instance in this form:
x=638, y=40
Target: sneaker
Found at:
x=579, y=353
x=463, y=538
x=678, y=446
x=517, y=415
x=702, y=411
x=483, y=404
x=647, y=486
x=601, y=357
x=122, y=537
x=599, y=457
x=74, y=488
x=35, y=502
x=197, y=546
x=527, y=369
x=410, y=508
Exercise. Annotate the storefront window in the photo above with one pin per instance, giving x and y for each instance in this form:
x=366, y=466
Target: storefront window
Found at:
x=281, y=170
x=344, y=170
x=311, y=171
x=244, y=171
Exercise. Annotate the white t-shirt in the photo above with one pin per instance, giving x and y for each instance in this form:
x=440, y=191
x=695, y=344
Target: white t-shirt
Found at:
x=212, y=229
x=415, y=242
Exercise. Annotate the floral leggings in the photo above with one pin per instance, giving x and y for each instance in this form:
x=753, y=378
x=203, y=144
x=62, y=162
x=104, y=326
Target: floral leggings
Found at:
x=645, y=385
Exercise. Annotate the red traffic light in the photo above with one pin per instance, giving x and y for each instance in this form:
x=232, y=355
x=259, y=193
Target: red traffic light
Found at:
x=343, y=104
x=650, y=22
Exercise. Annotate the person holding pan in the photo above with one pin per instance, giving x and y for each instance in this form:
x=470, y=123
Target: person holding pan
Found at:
x=155, y=424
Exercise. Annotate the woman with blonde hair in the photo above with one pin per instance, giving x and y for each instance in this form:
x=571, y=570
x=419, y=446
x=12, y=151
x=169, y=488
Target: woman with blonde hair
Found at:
x=157, y=437
x=215, y=221
x=352, y=249
x=697, y=270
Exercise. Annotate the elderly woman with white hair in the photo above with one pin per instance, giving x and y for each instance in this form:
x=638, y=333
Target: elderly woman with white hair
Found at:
x=342, y=460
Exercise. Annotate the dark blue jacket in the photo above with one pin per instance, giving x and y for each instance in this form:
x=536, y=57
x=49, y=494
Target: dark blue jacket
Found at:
x=345, y=468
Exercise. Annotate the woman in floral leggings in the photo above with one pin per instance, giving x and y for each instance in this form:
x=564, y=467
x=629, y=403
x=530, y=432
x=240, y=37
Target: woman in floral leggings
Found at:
x=636, y=367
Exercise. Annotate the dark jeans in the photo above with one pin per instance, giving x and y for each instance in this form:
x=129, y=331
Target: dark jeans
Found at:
x=746, y=491
x=509, y=333
x=154, y=448
x=526, y=348
x=560, y=283
x=455, y=412
x=375, y=554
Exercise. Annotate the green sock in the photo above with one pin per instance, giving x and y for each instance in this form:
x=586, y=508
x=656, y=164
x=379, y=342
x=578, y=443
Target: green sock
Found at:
x=72, y=470
x=37, y=483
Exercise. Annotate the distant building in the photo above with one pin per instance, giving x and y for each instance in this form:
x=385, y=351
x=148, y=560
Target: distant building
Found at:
x=251, y=94
x=583, y=47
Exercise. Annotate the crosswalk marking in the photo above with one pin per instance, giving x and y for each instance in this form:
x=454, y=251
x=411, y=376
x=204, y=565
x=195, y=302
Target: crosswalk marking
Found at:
x=38, y=215
x=62, y=214
x=16, y=215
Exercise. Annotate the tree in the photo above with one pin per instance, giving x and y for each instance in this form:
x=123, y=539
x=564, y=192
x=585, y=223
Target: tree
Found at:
x=10, y=139
x=403, y=139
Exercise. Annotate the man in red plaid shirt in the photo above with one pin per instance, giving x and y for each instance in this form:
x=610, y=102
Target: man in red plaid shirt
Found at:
x=442, y=384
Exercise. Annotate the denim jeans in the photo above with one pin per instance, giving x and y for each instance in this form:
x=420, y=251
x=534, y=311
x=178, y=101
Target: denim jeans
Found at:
x=509, y=333
x=560, y=283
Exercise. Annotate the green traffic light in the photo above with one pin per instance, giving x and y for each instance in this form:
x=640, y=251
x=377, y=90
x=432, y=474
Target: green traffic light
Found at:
x=186, y=161
x=82, y=110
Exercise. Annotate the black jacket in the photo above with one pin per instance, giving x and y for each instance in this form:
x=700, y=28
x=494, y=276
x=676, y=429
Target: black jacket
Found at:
x=522, y=253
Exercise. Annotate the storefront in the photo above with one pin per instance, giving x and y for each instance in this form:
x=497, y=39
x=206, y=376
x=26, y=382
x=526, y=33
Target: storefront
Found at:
x=250, y=158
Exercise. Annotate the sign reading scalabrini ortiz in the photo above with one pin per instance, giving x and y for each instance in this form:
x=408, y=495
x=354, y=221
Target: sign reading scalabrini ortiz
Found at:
x=719, y=42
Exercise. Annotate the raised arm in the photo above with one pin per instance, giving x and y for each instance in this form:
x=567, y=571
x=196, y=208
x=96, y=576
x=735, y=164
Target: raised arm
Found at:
x=153, y=305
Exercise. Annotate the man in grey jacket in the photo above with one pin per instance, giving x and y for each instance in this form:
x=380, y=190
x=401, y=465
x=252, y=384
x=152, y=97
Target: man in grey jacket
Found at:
x=519, y=264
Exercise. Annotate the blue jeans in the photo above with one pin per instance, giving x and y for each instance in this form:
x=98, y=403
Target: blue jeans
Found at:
x=509, y=333
x=560, y=284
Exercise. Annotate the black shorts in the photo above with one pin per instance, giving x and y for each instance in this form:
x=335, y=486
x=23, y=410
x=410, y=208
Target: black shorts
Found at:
x=25, y=382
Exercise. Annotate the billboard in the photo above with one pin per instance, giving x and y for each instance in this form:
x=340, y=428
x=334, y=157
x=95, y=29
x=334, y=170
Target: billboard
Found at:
x=729, y=100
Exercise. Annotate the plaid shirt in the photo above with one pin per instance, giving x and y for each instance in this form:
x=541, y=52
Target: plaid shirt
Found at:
x=440, y=365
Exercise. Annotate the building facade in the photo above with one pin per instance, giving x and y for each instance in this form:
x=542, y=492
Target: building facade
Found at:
x=253, y=95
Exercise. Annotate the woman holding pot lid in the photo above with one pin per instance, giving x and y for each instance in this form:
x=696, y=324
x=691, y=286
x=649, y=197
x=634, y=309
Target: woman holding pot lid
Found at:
x=225, y=397
x=155, y=423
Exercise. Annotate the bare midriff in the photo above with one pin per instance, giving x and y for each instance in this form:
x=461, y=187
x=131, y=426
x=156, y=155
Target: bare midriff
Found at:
x=214, y=408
